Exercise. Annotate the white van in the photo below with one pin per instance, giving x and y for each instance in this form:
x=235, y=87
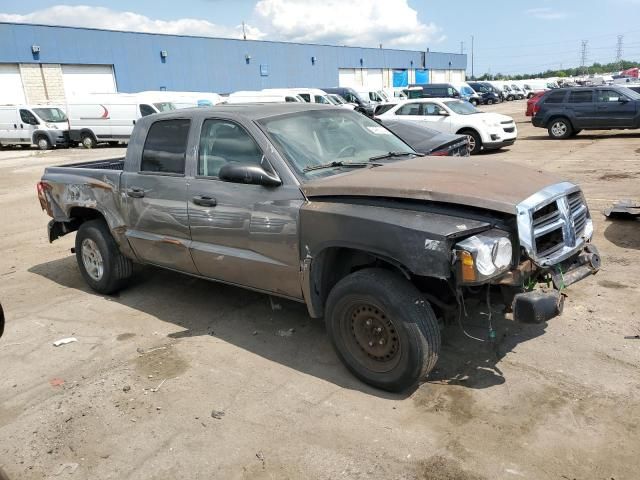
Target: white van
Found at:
x=45, y=126
x=183, y=99
x=250, y=96
x=110, y=117
x=309, y=95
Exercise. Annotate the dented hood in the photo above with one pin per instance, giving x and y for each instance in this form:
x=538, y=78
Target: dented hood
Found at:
x=473, y=181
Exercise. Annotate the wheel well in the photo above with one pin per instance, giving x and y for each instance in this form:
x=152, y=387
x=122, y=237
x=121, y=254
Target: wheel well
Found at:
x=335, y=263
x=86, y=131
x=84, y=214
x=464, y=130
x=38, y=135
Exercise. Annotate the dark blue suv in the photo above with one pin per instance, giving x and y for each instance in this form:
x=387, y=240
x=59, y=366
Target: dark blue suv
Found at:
x=566, y=112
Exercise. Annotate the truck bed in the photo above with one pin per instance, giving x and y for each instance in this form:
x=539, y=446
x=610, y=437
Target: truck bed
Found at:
x=109, y=164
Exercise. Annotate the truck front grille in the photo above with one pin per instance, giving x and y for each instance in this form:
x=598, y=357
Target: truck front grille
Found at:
x=554, y=223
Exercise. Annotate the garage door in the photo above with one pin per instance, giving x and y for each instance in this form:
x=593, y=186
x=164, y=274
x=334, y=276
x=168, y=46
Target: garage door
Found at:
x=347, y=77
x=11, y=90
x=374, y=79
x=81, y=79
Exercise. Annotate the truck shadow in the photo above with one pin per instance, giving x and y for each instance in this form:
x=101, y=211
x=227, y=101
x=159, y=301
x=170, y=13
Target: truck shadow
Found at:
x=281, y=330
x=624, y=233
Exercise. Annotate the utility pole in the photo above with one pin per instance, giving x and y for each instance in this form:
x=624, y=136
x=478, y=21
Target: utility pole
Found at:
x=619, y=51
x=244, y=33
x=583, y=56
x=472, y=74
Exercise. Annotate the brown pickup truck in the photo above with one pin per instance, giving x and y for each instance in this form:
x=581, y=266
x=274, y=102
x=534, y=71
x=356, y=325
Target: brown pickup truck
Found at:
x=325, y=206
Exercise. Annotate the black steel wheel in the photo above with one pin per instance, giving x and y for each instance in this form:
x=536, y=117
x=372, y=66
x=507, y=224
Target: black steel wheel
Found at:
x=382, y=329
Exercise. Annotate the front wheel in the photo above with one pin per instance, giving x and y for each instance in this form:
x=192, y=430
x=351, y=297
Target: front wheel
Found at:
x=490, y=102
x=382, y=329
x=43, y=143
x=560, y=128
x=87, y=140
x=102, y=265
x=475, y=142
x=474, y=103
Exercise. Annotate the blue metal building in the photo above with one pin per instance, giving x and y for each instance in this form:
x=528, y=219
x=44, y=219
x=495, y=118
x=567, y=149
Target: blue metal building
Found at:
x=143, y=61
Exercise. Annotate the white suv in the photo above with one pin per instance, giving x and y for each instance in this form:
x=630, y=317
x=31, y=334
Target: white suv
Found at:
x=486, y=130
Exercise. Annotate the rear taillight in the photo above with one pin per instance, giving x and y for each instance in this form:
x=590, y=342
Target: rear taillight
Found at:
x=42, y=188
x=439, y=153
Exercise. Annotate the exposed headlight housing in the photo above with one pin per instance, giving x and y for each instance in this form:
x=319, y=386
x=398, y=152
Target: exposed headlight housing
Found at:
x=483, y=256
x=52, y=126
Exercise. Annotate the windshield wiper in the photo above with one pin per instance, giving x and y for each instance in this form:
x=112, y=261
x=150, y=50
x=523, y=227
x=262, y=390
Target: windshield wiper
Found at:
x=394, y=155
x=336, y=163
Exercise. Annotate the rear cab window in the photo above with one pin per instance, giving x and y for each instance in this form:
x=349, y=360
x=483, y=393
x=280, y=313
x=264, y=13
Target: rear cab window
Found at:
x=165, y=147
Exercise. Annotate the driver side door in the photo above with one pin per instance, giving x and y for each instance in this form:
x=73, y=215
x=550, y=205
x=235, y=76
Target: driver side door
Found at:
x=242, y=233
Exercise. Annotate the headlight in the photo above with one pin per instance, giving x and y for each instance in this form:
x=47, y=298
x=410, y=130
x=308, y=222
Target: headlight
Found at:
x=483, y=256
x=51, y=126
x=490, y=123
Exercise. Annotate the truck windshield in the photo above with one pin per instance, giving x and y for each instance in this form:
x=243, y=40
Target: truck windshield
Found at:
x=51, y=115
x=311, y=138
x=461, y=108
x=164, y=106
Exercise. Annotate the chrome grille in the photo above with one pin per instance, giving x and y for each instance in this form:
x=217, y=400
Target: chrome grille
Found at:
x=554, y=223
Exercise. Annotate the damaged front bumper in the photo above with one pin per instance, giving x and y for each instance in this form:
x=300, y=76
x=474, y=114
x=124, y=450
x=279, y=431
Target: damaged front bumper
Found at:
x=541, y=305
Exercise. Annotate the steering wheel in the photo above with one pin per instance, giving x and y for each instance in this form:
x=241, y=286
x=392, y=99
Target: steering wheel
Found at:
x=343, y=151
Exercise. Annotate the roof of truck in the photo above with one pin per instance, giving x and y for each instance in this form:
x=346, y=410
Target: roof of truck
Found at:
x=252, y=111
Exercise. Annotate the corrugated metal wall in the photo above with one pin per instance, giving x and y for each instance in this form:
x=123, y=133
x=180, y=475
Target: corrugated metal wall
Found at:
x=194, y=63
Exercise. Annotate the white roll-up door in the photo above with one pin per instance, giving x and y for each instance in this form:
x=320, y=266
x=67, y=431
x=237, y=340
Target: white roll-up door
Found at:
x=82, y=79
x=347, y=77
x=374, y=79
x=11, y=90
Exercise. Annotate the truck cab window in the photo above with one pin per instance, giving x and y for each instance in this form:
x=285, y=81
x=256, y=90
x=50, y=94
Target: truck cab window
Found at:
x=166, y=146
x=606, y=96
x=223, y=142
x=29, y=118
x=146, y=110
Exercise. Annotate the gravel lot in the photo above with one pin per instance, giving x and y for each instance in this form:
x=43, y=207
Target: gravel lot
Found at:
x=180, y=378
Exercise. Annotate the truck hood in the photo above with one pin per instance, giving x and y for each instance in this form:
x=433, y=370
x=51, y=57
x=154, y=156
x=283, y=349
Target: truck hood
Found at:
x=496, y=117
x=482, y=183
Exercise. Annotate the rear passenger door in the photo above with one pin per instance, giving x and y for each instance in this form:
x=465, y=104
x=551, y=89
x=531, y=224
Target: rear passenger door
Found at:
x=580, y=102
x=156, y=198
x=614, y=110
x=242, y=233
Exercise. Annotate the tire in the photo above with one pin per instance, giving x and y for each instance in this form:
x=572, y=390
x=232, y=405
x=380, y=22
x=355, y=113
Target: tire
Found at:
x=87, y=140
x=560, y=128
x=372, y=299
x=474, y=102
x=490, y=102
x=43, y=142
x=475, y=142
x=114, y=143
x=102, y=265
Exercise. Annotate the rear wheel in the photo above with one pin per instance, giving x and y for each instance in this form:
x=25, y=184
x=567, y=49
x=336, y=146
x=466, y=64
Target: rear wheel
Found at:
x=382, y=329
x=560, y=128
x=87, y=140
x=474, y=102
x=43, y=142
x=102, y=265
x=490, y=102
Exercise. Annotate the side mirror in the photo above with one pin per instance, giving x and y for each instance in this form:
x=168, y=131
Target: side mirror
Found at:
x=443, y=113
x=250, y=174
x=623, y=99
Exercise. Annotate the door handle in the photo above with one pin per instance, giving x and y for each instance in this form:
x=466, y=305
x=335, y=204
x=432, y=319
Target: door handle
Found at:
x=204, y=201
x=15, y=125
x=135, y=192
x=21, y=126
x=134, y=122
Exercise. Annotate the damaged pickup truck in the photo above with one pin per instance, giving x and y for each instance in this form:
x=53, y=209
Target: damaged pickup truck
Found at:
x=325, y=206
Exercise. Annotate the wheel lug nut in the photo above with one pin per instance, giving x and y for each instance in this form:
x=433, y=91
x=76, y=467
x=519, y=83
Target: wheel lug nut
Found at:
x=368, y=322
x=378, y=329
x=381, y=342
x=371, y=344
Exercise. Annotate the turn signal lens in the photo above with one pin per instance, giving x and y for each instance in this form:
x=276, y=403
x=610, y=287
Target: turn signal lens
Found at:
x=468, y=270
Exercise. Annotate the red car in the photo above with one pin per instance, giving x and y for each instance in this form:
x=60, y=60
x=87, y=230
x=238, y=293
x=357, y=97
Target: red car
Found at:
x=532, y=104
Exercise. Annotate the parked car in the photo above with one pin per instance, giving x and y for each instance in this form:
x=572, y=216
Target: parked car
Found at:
x=532, y=104
x=433, y=90
x=363, y=104
x=635, y=87
x=241, y=196
x=486, y=130
x=487, y=92
x=468, y=93
x=427, y=140
x=566, y=112
x=518, y=92
x=110, y=117
x=45, y=126
x=182, y=99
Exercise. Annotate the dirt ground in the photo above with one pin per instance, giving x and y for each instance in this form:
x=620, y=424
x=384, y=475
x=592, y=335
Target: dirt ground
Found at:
x=178, y=378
